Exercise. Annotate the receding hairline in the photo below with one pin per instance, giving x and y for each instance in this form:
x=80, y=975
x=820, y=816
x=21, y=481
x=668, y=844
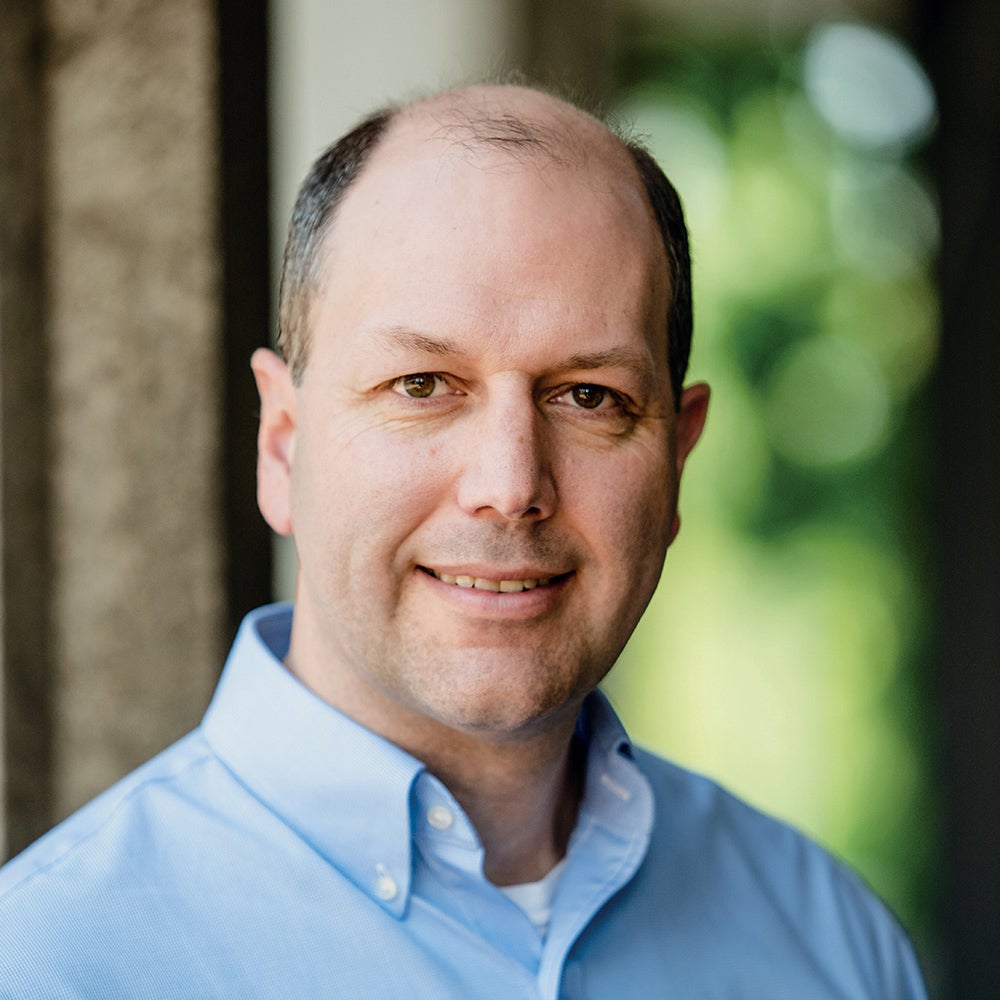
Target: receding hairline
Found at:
x=514, y=123
x=523, y=122
x=508, y=121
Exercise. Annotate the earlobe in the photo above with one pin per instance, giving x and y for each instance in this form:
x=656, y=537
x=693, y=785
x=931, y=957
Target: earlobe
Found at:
x=275, y=439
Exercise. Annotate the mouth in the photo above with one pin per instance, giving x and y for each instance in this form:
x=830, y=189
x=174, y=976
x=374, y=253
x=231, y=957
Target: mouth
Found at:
x=496, y=586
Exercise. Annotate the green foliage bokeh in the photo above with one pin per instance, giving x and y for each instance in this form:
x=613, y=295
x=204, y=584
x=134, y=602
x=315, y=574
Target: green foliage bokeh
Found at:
x=785, y=649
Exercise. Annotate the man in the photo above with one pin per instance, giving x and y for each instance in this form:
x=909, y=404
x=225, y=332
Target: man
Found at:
x=409, y=787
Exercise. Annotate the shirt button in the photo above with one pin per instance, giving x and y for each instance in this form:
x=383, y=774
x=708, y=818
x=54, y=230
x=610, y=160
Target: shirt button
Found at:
x=439, y=817
x=385, y=885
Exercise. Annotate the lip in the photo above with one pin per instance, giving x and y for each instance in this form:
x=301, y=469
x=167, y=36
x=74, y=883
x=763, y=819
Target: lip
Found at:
x=522, y=604
x=485, y=572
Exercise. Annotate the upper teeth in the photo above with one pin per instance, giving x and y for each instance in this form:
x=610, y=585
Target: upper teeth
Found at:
x=497, y=586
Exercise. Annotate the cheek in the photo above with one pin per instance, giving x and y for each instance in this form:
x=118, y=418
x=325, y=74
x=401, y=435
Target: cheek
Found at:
x=362, y=489
x=629, y=513
x=396, y=481
x=629, y=495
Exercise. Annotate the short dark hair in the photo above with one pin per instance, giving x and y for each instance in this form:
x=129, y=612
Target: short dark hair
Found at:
x=669, y=213
x=332, y=174
x=321, y=192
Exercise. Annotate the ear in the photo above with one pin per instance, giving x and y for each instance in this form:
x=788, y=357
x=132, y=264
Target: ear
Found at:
x=690, y=423
x=275, y=438
x=690, y=420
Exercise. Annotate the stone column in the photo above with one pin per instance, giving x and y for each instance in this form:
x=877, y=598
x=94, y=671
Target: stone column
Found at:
x=25, y=565
x=134, y=323
x=112, y=392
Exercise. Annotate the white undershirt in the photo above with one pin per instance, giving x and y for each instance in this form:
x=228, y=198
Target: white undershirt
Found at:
x=535, y=898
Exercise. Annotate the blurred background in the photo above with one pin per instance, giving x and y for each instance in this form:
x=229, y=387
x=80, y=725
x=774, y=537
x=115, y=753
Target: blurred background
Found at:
x=825, y=640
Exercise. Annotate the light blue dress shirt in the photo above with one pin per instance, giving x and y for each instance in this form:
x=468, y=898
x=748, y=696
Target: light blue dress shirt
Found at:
x=283, y=851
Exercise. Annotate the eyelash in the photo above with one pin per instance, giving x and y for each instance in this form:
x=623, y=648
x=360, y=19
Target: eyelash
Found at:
x=616, y=398
x=398, y=385
x=620, y=402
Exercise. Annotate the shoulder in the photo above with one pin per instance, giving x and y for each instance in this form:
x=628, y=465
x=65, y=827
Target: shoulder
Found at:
x=695, y=812
x=106, y=818
x=689, y=803
x=96, y=881
x=732, y=865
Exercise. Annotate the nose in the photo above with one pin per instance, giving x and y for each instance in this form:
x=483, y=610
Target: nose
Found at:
x=506, y=468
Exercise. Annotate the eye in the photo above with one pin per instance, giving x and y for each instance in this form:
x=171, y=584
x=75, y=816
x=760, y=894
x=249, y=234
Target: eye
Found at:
x=420, y=386
x=592, y=397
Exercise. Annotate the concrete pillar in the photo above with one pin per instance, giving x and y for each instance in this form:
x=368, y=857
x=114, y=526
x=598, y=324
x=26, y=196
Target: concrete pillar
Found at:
x=112, y=548
x=25, y=564
x=133, y=268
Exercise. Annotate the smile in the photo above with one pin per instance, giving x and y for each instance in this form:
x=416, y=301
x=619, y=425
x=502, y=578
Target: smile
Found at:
x=494, y=586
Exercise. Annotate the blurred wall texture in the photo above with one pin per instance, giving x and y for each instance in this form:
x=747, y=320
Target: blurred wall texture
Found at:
x=110, y=270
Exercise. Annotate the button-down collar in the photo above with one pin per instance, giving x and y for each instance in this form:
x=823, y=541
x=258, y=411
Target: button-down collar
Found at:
x=361, y=801
x=343, y=789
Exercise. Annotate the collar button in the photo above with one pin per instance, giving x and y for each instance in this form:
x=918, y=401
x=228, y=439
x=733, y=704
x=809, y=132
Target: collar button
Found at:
x=385, y=885
x=439, y=817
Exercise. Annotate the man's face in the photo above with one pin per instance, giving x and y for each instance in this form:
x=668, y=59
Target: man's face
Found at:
x=481, y=461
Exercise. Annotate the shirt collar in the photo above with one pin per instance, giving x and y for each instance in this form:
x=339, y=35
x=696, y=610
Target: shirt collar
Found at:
x=324, y=775
x=354, y=797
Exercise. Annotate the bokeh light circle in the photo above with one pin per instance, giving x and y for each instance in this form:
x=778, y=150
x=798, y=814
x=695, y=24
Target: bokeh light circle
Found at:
x=868, y=86
x=828, y=403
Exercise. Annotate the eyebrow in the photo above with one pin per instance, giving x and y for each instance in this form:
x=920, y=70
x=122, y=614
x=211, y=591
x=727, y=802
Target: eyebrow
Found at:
x=616, y=357
x=402, y=336
x=637, y=363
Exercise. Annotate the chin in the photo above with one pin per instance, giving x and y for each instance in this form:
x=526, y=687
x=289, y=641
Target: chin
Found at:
x=500, y=703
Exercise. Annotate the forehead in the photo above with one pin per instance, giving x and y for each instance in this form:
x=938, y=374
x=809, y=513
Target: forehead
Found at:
x=505, y=131
x=504, y=224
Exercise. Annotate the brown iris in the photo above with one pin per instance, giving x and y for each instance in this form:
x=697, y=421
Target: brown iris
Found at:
x=419, y=386
x=588, y=396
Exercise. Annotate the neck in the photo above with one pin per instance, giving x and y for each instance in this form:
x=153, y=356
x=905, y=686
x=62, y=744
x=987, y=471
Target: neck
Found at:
x=522, y=800
x=520, y=789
